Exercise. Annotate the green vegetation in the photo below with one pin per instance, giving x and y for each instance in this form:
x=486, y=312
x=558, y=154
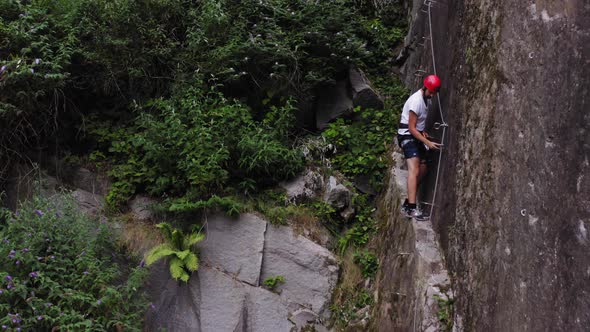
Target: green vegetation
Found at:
x=196, y=102
x=445, y=313
x=179, y=249
x=273, y=282
x=362, y=145
x=58, y=273
x=367, y=262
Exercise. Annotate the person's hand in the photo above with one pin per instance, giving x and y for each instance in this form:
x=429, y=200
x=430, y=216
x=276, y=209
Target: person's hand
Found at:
x=433, y=146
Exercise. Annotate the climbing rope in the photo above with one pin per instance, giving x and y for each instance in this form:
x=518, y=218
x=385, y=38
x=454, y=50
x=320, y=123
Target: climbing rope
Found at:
x=442, y=124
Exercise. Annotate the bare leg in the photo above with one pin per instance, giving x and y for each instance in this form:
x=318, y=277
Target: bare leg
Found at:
x=413, y=173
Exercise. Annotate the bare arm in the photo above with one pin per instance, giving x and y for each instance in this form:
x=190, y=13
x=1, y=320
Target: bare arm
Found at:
x=422, y=138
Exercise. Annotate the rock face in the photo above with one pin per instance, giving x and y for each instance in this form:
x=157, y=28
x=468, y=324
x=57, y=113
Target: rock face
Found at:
x=514, y=203
x=363, y=94
x=341, y=98
x=226, y=294
x=141, y=208
x=412, y=270
x=337, y=194
x=333, y=102
x=304, y=186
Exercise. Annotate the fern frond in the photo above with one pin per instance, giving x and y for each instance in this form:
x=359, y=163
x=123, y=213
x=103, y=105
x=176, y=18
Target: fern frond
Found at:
x=158, y=252
x=176, y=269
x=193, y=239
x=166, y=230
x=182, y=254
x=191, y=262
x=177, y=239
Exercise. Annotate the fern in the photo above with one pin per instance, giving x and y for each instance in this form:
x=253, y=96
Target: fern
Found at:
x=179, y=249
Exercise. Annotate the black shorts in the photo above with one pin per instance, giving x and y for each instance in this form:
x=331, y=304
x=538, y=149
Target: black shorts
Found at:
x=413, y=148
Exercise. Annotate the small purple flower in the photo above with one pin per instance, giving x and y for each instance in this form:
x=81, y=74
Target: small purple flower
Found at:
x=37, y=61
x=32, y=70
x=48, y=305
x=9, y=278
x=99, y=302
x=18, y=329
x=40, y=318
x=33, y=274
x=1, y=291
x=4, y=327
x=17, y=262
x=9, y=286
x=85, y=273
x=29, y=234
x=52, y=257
x=152, y=306
x=39, y=213
x=12, y=252
x=6, y=241
x=25, y=250
x=39, y=258
x=142, y=263
x=2, y=69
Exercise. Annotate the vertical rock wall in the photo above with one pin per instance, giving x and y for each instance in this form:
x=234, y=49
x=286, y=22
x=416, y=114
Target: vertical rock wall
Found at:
x=513, y=207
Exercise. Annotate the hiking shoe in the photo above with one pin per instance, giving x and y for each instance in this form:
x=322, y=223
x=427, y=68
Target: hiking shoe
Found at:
x=414, y=213
x=419, y=215
x=406, y=211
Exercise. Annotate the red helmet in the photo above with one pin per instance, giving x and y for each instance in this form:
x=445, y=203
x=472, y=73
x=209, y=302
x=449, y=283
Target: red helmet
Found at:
x=432, y=83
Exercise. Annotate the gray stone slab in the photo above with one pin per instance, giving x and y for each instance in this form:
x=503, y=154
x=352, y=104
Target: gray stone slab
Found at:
x=310, y=271
x=230, y=305
x=235, y=246
x=175, y=305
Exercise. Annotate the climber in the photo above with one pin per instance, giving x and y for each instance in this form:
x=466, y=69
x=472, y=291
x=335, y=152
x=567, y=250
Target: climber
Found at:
x=414, y=141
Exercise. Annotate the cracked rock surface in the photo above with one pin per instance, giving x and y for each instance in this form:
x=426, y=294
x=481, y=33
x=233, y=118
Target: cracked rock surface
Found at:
x=225, y=294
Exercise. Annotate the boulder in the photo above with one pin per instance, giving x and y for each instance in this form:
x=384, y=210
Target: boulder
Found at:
x=87, y=180
x=88, y=202
x=224, y=295
x=337, y=195
x=140, y=208
x=304, y=186
x=310, y=271
x=235, y=246
x=363, y=94
x=175, y=306
x=228, y=305
x=333, y=102
x=303, y=317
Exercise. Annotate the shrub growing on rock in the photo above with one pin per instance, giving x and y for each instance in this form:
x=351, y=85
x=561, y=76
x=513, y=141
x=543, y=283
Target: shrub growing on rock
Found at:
x=179, y=249
x=58, y=273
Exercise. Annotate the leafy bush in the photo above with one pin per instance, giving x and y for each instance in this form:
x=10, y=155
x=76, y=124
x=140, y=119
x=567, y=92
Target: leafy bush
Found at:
x=361, y=146
x=273, y=282
x=179, y=248
x=196, y=143
x=58, y=273
x=446, y=312
x=362, y=228
x=368, y=263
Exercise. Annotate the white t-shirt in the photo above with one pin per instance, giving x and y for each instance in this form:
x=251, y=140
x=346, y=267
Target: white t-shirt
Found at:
x=417, y=105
